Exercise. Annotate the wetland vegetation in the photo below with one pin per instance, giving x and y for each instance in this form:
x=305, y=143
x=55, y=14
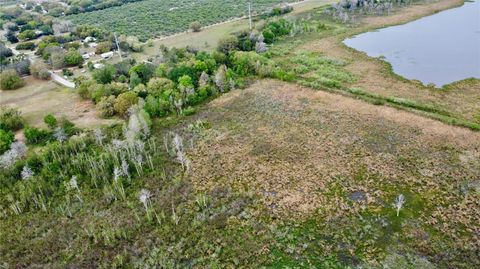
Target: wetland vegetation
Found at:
x=280, y=147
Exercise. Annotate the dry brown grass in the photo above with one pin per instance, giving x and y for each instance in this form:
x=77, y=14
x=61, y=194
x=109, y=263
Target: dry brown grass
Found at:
x=279, y=138
x=305, y=152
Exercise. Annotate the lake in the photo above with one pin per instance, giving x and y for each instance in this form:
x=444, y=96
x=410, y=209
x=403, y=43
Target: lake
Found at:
x=440, y=49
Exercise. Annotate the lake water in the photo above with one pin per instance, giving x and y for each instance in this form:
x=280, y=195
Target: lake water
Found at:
x=440, y=49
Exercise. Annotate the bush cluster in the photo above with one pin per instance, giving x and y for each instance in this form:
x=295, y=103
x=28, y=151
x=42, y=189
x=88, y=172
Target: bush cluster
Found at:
x=10, y=80
x=10, y=120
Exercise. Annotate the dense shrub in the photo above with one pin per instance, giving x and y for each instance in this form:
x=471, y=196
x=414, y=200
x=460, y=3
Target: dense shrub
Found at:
x=73, y=58
x=5, y=52
x=72, y=45
x=104, y=75
x=275, y=29
x=11, y=37
x=50, y=121
x=144, y=71
x=6, y=139
x=277, y=11
x=27, y=35
x=181, y=70
x=117, y=88
x=135, y=80
x=25, y=46
x=156, y=86
x=36, y=136
x=106, y=106
x=103, y=47
x=98, y=91
x=140, y=90
x=124, y=101
x=39, y=70
x=227, y=44
x=68, y=127
x=195, y=26
x=10, y=119
x=85, y=88
x=251, y=63
x=10, y=80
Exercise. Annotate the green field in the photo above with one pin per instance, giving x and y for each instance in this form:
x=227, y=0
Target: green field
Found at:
x=153, y=18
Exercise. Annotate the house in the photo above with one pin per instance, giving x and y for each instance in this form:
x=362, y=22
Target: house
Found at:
x=107, y=55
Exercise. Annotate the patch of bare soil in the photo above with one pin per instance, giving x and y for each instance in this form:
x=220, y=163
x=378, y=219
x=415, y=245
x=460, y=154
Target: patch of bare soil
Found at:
x=373, y=75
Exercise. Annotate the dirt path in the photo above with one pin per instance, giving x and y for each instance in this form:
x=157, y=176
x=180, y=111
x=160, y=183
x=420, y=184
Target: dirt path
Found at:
x=62, y=81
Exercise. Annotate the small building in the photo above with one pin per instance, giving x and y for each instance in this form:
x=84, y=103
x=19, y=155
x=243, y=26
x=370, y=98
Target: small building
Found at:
x=107, y=55
x=89, y=39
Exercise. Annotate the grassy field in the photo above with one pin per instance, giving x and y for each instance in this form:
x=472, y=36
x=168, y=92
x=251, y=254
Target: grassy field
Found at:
x=39, y=98
x=154, y=18
x=331, y=167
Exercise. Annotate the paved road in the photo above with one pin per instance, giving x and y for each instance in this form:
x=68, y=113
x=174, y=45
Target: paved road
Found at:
x=62, y=81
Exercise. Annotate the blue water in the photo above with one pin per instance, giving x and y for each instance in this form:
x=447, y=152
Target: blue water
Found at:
x=440, y=49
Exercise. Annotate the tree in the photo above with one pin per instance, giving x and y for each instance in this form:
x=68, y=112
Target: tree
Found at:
x=106, y=106
x=36, y=136
x=25, y=46
x=11, y=37
x=221, y=78
x=135, y=80
x=60, y=27
x=73, y=57
x=27, y=35
x=156, y=86
x=185, y=84
x=144, y=70
x=22, y=66
x=227, y=44
x=10, y=119
x=39, y=70
x=6, y=139
x=5, y=52
x=103, y=47
x=50, y=121
x=10, y=80
x=104, y=75
x=55, y=56
x=124, y=101
x=195, y=26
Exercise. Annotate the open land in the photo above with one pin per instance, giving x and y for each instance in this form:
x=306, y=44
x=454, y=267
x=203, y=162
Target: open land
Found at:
x=299, y=174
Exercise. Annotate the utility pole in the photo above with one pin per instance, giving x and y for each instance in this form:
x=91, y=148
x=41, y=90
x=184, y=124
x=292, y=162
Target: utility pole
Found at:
x=250, y=14
x=118, y=47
